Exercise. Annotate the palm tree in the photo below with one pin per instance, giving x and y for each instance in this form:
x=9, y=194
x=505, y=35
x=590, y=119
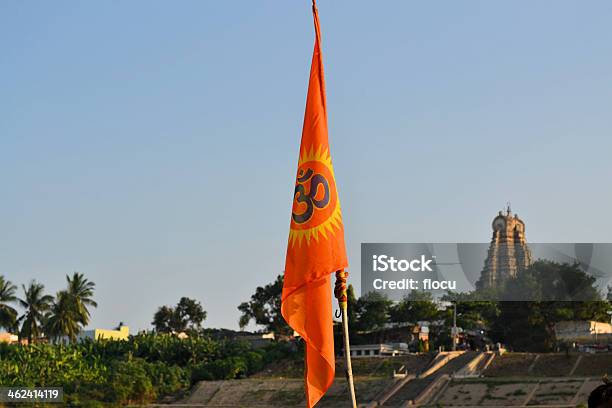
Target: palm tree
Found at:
x=35, y=303
x=62, y=319
x=8, y=315
x=80, y=291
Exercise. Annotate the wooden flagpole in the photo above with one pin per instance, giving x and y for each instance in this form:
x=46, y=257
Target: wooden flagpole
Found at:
x=340, y=293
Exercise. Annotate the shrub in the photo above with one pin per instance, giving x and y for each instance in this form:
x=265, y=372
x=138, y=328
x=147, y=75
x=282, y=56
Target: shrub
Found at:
x=138, y=370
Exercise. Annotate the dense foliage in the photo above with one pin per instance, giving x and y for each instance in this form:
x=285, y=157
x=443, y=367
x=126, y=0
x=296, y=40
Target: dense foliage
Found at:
x=549, y=292
x=561, y=292
x=141, y=369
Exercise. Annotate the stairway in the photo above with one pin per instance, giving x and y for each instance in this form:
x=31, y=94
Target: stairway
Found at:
x=475, y=367
x=415, y=389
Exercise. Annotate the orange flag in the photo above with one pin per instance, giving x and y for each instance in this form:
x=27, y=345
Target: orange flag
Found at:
x=316, y=239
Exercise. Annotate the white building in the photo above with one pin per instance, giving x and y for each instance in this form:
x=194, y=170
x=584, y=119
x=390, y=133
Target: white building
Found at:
x=584, y=331
x=379, y=350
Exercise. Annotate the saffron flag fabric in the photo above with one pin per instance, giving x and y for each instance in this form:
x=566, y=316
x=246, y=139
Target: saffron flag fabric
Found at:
x=316, y=239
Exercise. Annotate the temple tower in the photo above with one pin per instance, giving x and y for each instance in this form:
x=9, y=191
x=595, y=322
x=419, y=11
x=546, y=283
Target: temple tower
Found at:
x=508, y=253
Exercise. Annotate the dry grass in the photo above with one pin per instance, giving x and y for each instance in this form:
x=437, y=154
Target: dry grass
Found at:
x=510, y=365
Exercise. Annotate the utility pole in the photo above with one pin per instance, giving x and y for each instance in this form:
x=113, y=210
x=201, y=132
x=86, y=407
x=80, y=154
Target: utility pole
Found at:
x=454, y=325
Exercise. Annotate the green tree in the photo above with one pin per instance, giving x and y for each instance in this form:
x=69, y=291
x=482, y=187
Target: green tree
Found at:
x=63, y=318
x=414, y=307
x=36, y=304
x=162, y=319
x=373, y=311
x=473, y=310
x=69, y=311
x=80, y=296
x=265, y=308
x=520, y=327
x=187, y=315
x=565, y=282
x=8, y=314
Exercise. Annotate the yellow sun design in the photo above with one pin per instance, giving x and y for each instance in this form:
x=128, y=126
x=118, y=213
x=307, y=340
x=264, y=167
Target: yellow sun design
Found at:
x=324, y=220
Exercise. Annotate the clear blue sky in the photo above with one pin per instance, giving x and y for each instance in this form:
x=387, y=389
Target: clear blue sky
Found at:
x=152, y=145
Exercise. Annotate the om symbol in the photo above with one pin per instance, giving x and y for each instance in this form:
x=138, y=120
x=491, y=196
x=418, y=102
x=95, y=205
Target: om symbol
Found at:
x=309, y=198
